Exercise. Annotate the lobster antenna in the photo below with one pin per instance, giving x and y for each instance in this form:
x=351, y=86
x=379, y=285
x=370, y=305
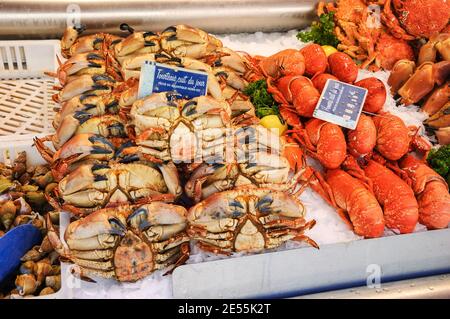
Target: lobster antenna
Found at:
x=373, y=114
x=126, y=27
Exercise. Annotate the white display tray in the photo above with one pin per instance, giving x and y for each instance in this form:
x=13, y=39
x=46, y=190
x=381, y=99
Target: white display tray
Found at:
x=307, y=270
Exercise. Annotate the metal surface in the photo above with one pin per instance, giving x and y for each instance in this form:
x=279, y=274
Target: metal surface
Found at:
x=307, y=270
x=432, y=287
x=22, y=19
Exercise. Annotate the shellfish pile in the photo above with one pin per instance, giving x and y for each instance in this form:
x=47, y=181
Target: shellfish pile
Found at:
x=126, y=166
x=22, y=201
x=363, y=166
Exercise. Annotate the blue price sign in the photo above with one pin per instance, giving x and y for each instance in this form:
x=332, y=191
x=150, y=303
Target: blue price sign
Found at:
x=157, y=77
x=341, y=103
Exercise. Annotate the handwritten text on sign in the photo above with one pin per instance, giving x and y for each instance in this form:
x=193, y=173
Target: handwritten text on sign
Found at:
x=156, y=77
x=341, y=103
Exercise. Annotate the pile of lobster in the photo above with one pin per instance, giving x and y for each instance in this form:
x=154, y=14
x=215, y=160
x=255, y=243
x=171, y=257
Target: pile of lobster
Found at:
x=127, y=167
x=371, y=177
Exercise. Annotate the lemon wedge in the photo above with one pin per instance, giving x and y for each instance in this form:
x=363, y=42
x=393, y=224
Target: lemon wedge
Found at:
x=329, y=50
x=273, y=122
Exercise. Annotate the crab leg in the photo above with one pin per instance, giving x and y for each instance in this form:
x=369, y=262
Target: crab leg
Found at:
x=213, y=249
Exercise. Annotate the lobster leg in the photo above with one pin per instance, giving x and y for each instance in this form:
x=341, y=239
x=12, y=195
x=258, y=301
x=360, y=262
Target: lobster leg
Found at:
x=293, y=224
x=351, y=166
x=401, y=173
x=302, y=137
x=325, y=191
x=277, y=95
x=418, y=143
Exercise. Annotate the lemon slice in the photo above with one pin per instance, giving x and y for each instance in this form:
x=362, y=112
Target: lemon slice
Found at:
x=273, y=122
x=329, y=50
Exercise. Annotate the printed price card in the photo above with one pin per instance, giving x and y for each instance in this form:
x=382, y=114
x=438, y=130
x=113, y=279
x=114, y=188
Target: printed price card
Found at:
x=157, y=77
x=341, y=103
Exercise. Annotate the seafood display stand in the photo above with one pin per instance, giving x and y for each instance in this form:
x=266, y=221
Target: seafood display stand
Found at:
x=344, y=261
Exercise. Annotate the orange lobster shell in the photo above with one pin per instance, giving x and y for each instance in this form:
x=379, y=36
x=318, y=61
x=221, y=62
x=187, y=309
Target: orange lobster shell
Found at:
x=319, y=80
x=286, y=62
x=392, y=136
x=362, y=140
x=376, y=95
x=297, y=91
x=431, y=191
x=316, y=60
x=401, y=210
x=343, y=67
x=325, y=141
x=352, y=196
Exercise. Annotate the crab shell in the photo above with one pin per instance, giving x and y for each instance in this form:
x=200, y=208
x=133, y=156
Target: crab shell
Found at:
x=95, y=185
x=80, y=122
x=137, y=43
x=171, y=129
x=247, y=219
x=422, y=18
x=186, y=41
x=127, y=242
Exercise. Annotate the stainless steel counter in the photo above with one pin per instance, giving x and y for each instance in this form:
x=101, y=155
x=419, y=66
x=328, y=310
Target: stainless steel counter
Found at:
x=433, y=287
x=41, y=19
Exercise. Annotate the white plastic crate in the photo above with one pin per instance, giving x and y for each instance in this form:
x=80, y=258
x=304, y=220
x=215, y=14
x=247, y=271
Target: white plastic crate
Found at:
x=26, y=105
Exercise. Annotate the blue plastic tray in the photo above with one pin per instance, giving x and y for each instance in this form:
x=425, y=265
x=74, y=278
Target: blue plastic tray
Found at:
x=14, y=245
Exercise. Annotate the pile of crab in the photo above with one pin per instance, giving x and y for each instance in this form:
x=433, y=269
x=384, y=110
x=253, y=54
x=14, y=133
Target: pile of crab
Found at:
x=127, y=167
x=426, y=83
x=375, y=175
x=378, y=33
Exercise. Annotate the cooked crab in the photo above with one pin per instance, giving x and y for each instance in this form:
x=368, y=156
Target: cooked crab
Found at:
x=126, y=243
x=93, y=186
x=248, y=219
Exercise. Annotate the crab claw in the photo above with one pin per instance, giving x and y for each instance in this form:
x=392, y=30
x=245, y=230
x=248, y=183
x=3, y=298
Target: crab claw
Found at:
x=206, y=105
x=187, y=41
x=159, y=221
x=126, y=27
x=441, y=72
x=137, y=42
x=418, y=85
x=400, y=73
x=156, y=213
x=101, y=229
x=69, y=37
x=85, y=83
